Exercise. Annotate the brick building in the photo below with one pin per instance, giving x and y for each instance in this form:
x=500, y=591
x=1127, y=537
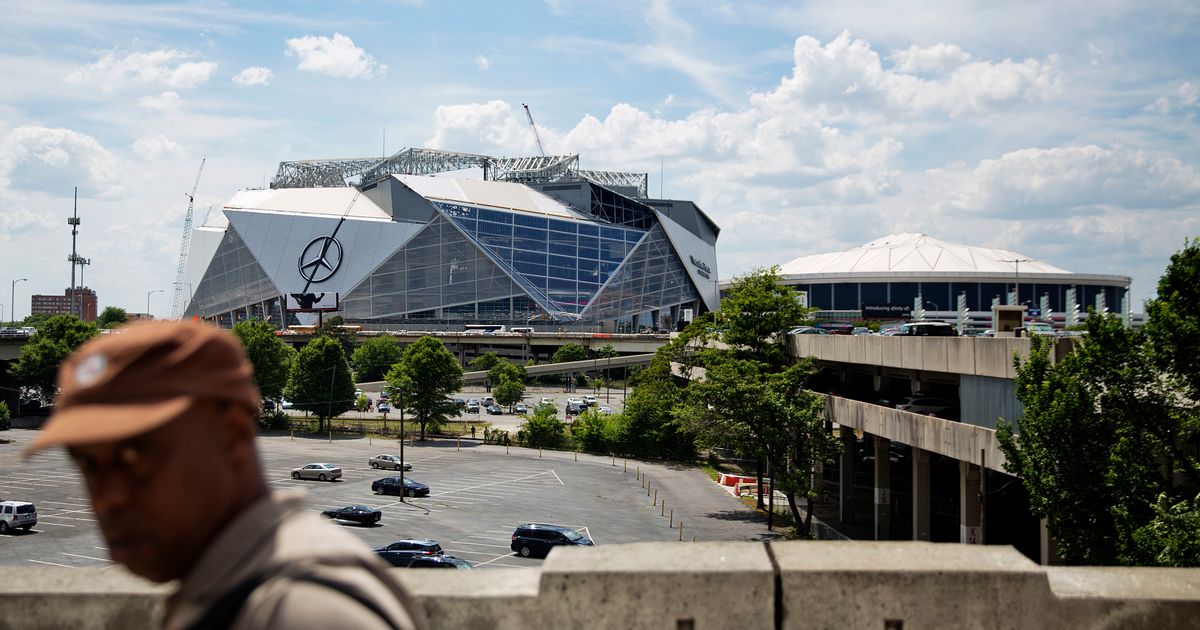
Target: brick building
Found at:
x=84, y=303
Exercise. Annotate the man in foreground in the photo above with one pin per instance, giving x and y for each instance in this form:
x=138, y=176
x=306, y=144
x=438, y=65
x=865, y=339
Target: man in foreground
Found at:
x=160, y=420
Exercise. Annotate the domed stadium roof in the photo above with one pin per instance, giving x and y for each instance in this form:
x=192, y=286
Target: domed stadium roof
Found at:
x=900, y=254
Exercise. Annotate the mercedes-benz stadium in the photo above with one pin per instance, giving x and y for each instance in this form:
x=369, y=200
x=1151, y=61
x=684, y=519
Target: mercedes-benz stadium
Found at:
x=902, y=275
x=415, y=240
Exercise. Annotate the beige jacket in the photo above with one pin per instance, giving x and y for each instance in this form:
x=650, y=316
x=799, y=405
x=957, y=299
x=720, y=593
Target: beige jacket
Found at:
x=298, y=556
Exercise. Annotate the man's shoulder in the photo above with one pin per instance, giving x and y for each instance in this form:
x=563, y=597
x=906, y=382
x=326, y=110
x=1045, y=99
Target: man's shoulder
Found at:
x=325, y=596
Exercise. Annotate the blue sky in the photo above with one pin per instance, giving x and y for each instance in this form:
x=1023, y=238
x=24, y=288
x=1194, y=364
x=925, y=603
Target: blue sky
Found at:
x=1065, y=131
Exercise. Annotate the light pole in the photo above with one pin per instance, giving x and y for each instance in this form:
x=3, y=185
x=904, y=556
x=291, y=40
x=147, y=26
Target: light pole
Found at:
x=1017, y=272
x=189, y=298
x=148, y=294
x=1, y=312
x=12, y=310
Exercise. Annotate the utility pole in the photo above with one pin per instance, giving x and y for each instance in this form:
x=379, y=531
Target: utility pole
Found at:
x=74, y=223
x=1017, y=271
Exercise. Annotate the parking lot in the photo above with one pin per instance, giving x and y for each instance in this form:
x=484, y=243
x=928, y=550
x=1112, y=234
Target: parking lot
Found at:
x=478, y=495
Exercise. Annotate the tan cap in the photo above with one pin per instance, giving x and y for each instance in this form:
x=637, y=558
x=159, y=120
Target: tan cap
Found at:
x=129, y=382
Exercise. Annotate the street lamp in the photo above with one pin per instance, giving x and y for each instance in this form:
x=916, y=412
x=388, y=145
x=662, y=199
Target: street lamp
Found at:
x=1017, y=273
x=148, y=294
x=189, y=298
x=12, y=311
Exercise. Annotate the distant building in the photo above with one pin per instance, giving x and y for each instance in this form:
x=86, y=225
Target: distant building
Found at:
x=81, y=301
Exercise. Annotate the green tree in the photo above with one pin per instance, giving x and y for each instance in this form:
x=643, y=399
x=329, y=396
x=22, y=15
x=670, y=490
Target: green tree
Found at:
x=1100, y=431
x=427, y=375
x=1174, y=321
x=111, y=317
x=271, y=358
x=374, y=358
x=751, y=396
x=508, y=393
x=592, y=432
x=569, y=352
x=5, y=416
x=321, y=382
x=543, y=428
x=57, y=336
x=647, y=427
x=485, y=362
x=332, y=328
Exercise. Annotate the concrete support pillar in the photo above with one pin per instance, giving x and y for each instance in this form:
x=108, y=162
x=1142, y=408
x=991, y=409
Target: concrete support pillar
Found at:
x=968, y=504
x=846, y=476
x=921, y=490
x=1049, y=551
x=883, y=489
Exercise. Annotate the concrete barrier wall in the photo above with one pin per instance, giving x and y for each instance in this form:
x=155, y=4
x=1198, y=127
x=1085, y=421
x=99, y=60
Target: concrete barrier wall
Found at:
x=945, y=437
x=951, y=355
x=742, y=585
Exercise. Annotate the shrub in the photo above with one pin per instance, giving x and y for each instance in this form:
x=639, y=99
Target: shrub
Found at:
x=5, y=416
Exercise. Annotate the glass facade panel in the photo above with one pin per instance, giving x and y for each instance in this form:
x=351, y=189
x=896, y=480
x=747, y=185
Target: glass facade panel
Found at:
x=845, y=296
x=233, y=280
x=651, y=279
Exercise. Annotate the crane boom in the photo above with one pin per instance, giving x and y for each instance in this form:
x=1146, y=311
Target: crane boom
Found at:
x=178, y=302
x=536, y=137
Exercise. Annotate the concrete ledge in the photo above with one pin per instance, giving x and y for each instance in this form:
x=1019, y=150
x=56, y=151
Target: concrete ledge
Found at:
x=708, y=585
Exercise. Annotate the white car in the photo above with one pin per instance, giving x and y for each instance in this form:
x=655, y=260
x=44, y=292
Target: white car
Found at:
x=605, y=411
x=929, y=406
x=578, y=402
x=320, y=472
x=17, y=514
x=590, y=400
x=546, y=400
x=391, y=462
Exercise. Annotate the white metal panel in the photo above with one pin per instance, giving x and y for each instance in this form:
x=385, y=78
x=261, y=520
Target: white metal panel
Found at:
x=205, y=241
x=917, y=253
x=695, y=255
x=278, y=240
x=321, y=201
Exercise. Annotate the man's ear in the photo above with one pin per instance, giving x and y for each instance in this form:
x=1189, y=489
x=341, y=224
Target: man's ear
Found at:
x=237, y=427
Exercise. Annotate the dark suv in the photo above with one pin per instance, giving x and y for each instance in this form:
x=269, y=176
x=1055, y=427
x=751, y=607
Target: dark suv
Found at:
x=401, y=552
x=536, y=539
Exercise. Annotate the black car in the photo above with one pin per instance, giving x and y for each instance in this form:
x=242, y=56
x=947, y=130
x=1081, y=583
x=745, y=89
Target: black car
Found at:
x=438, y=562
x=536, y=539
x=927, y=329
x=494, y=409
x=361, y=514
x=399, y=485
x=401, y=552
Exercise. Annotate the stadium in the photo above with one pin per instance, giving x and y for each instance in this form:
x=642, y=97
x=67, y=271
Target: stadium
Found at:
x=428, y=239
x=915, y=275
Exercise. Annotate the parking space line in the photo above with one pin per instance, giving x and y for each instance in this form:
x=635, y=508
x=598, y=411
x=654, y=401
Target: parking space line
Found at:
x=509, y=555
x=76, y=555
x=496, y=483
x=44, y=522
x=463, y=542
x=54, y=564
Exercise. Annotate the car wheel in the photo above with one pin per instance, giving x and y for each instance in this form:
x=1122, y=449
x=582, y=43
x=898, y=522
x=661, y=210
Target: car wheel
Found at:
x=321, y=477
x=407, y=492
x=3, y=527
x=295, y=475
x=374, y=464
x=526, y=551
x=26, y=528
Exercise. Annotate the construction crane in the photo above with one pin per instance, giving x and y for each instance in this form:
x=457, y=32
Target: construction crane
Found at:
x=536, y=137
x=177, y=303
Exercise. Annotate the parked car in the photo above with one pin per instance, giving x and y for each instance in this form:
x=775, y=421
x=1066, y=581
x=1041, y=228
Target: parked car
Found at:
x=399, y=553
x=546, y=400
x=384, y=407
x=807, y=330
x=460, y=403
x=438, y=562
x=929, y=406
x=286, y=404
x=574, y=409
x=606, y=411
x=860, y=330
x=578, y=402
x=399, y=485
x=320, y=472
x=520, y=408
x=488, y=401
x=472, y=406
x=926, y=329
x=1041, y=328
x=361, y=514
x=537, y=539
x=590, y=400
x=17, y=514
x=384, y=460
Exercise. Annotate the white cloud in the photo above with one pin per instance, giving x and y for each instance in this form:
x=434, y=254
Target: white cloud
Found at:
x=1074, y=180
x=336, y=57
x=165, y=102
x=845, y=79
x=164, y=67
x=483, y=62
x=254, y=75
x=43, y=159
x=157, y=147
x=936, y=59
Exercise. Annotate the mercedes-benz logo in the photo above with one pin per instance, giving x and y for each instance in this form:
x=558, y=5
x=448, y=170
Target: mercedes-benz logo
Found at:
x=320, y=259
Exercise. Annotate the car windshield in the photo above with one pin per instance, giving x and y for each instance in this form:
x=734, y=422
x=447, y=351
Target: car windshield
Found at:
x=408, y=480
x=360, y=508
x=572, y=535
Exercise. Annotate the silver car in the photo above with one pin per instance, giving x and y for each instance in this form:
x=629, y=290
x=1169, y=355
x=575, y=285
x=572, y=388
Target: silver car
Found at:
x=388, y=461
x=320, y=472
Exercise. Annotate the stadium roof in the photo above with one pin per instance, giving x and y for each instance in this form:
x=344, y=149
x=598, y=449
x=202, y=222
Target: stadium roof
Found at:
x=917, y=254
x=505, y=195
